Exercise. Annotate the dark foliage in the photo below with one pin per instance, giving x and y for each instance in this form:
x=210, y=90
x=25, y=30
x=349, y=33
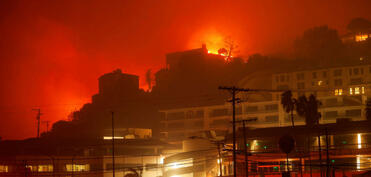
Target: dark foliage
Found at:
x=359, y=25
x=308, y=108
x=320, y=46
x=288, y=104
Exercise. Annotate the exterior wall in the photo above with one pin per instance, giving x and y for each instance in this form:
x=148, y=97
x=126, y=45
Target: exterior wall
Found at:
x=325, y=82
x=180, y=124
x=334, y=87
x=52, y=166
x=147, y=166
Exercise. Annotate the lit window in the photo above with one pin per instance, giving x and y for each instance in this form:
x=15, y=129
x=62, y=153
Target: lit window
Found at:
x=351, y=91
x=45, y=168
x=78, y=167
x=40, y=168
x=356, y=90
x=340, y=91
x=363, y=90
x=110, y=137
x=3, y=168
x=361, y=37
x=320, y=83
x=359, y=140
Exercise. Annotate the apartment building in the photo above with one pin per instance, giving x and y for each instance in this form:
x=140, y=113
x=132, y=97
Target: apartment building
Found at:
x=343, y=92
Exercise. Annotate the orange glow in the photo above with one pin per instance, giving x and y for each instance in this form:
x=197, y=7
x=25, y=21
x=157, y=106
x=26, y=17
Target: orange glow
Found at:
x=213, y=39
x=361, y=37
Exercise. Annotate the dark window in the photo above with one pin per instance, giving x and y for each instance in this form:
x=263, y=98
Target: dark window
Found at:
x=324, y=74
x=219, y=112
x=175, y=115
x=338, y=72
x=314, y=75
x=353, y=112
x=177, y=125
x=195, y=114
x=271, y=118
x=282, y=78
x=355, y=71
x=300, y=76
x=190, y=114
x=301, y=85
x=350, y=71
x=282, y=87
x=162, y=115
x=271, y=107
x=251, y=108
x=331, y=114
x=338, y=82
x=331, y=102
x=199, y=113
x=356, y=81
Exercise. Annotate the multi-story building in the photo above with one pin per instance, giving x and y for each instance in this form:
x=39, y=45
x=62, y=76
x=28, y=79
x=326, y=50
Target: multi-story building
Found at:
x=350, y=81
x=343, y=92
x=43, y=157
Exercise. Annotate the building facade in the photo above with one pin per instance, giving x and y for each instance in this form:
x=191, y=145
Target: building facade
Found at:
x=343, y=92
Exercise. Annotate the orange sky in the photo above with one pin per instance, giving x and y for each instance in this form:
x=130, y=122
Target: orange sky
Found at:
x=52, y=52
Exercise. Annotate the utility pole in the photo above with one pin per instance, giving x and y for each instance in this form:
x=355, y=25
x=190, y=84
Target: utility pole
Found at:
x=233, y=90
x=327, y=155
x=244, y=144
x=38, y=121
x=113, y=146
x=47, y=125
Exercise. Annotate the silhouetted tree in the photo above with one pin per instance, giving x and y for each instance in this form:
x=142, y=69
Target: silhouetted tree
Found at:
x=288, y=104
x=309, y=109
x=222, y=51
x=359, y=25
x=231, y=47
x=368, y=110
x=319, y=45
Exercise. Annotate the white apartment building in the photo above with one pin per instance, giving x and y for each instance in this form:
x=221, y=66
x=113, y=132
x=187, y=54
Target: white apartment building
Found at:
x=343, y=92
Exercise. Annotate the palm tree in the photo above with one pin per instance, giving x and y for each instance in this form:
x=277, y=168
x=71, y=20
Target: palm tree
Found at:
x=309, y=109
x=368, y=110
x=288, y=104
